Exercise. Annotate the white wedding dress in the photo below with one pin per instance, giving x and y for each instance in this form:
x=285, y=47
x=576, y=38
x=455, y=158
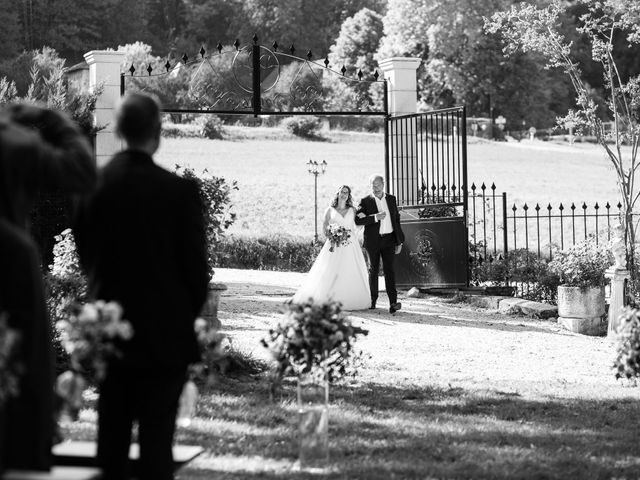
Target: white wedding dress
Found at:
x=340, y=275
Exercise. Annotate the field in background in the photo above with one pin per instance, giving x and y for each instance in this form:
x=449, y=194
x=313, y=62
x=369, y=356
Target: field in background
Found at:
x=276, y=194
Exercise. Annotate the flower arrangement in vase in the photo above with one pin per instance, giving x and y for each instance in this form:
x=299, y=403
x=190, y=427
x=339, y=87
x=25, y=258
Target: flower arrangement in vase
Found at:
x=314, y=342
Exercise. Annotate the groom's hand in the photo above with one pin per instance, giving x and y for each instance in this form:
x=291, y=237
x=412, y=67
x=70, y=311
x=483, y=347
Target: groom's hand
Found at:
x=380, y=216
x=398, y=249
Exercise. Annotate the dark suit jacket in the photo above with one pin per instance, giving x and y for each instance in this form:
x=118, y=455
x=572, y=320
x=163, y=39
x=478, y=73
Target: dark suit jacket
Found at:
x=369, y=207
x=40, y=149
x=141, y=240
x=28, y=419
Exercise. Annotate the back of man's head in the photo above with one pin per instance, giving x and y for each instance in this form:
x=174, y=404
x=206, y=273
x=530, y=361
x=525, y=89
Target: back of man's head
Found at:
x=138, y=119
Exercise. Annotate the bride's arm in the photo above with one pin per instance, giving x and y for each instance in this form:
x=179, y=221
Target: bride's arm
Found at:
x=325, y=223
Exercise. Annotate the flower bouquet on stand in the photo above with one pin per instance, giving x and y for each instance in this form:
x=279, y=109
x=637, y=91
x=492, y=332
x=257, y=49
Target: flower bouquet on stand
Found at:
x=315, y=343
x=338, y=235
x=91, y=336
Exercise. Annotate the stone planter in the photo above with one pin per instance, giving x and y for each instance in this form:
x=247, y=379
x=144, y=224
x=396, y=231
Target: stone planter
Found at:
x=580, y=310
x=210, y=309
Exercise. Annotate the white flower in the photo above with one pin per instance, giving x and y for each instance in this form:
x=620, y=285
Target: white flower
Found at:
x=125, y=330
x=112, y=310
x=89, y=313
x=200, y=325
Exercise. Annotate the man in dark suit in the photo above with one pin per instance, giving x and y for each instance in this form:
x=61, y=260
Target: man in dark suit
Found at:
x=40, y=150
x=383, y=237
x=141, y=240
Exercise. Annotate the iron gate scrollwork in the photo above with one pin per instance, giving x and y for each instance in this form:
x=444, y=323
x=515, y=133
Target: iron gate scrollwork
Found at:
x=259, y=80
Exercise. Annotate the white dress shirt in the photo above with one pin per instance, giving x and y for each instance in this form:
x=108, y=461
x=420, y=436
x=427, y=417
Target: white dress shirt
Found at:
x=385, y=224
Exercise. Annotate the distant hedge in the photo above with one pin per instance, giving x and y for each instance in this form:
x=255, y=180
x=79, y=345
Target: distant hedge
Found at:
x=285, y=254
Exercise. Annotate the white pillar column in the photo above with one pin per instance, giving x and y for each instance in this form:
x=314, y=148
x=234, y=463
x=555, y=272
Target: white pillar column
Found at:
x=104, y=72
x=402, y=84
x=402, y=99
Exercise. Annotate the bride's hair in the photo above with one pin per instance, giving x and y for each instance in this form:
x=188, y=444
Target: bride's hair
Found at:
x=349, y=202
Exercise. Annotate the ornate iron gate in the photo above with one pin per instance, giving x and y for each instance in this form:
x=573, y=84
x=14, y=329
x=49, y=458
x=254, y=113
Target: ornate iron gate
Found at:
x=260, y=80
x=425, y=154
x=426, y=170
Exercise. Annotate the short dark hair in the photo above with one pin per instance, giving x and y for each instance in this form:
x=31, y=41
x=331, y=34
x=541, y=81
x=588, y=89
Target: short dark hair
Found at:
x=138, y=118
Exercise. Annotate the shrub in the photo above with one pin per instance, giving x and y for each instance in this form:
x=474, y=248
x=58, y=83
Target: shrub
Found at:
x=215, y=195
x=373, y=124
x=268, y=253
x=522, y=267
x=210, y=127
x=179, y=130
x=66, y=286
x=627, y=362
x=583, y=265
x=304, y=126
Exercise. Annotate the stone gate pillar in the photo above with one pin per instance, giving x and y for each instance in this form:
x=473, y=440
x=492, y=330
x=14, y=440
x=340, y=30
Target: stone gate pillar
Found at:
x=400, y=73
x=104, y=72
x=402, y=99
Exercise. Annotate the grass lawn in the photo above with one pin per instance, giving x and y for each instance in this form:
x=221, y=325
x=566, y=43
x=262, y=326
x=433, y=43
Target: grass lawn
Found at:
x=276, y=193
x=448, y=391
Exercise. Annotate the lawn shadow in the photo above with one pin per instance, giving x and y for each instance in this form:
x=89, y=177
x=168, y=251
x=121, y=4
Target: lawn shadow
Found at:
x=381, y=431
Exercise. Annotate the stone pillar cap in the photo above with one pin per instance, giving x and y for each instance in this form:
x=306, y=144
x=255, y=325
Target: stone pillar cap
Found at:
x=404, y=63
x=103, y=56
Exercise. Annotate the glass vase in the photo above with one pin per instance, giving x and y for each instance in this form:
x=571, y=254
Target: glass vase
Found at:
x=313, y=418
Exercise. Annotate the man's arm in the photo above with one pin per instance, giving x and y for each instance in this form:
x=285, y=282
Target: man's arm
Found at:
x=193, y=247
x=362, y=218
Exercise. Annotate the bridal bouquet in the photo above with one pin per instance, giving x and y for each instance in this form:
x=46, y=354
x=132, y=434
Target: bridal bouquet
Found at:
x=338, y=235
x=10, y=368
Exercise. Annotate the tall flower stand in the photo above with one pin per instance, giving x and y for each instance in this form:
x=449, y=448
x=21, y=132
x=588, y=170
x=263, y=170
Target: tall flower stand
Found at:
x=210, y=309
x=617, y=276
x=313, y=418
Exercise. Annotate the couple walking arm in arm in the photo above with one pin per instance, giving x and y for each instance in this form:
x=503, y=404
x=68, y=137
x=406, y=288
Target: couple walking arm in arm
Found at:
x=340, y=273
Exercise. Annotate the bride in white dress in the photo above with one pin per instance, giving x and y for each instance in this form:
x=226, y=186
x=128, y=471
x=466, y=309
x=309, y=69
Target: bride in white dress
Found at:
x=339, y=275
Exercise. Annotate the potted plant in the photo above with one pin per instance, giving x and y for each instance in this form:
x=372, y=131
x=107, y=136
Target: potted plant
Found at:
x=581, y=273
x=215, y=196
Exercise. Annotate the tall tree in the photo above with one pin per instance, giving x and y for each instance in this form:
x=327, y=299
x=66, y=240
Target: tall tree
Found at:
x=462, y=64
x=10, y=36
x=527, y=28
x=307, y=24
x=209, y=22
x=355, y=50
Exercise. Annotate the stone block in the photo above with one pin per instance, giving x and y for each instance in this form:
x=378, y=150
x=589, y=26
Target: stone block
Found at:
x=585, y=326
x=538, y=309
x=510, y=306
x=413, y=293
x=483, y=301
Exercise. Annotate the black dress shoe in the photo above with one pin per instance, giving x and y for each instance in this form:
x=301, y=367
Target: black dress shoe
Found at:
x=373, y=306
x=395, y=307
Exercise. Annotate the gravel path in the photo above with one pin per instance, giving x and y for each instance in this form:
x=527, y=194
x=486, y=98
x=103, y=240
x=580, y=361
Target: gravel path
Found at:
x=433, y=341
